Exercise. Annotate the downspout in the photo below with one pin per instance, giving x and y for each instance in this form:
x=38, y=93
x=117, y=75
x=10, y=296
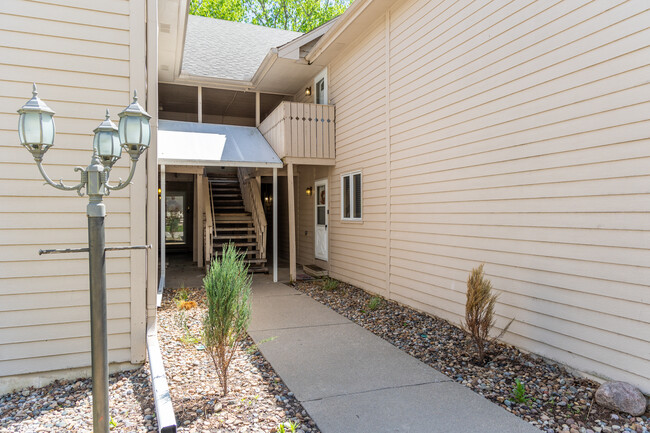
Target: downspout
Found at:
x=161, y=285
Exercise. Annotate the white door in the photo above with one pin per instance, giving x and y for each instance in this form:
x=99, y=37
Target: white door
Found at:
x=321, y=220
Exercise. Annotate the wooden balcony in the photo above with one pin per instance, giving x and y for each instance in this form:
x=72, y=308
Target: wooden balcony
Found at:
x=301, y=133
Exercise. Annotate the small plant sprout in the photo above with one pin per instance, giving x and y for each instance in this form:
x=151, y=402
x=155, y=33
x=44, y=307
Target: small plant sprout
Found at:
x=374, y=303
x=519, y=392
x=182, y=299
x=330, y=284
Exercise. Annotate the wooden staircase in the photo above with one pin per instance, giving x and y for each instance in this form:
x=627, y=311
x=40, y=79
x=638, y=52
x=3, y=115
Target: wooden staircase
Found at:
x=233, y=223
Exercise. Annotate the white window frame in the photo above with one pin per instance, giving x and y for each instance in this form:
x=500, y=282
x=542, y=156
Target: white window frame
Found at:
x=352, y=202
x=322, y=75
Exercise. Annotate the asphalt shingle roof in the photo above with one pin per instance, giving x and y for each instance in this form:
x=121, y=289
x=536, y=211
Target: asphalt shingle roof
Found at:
x=227, y=49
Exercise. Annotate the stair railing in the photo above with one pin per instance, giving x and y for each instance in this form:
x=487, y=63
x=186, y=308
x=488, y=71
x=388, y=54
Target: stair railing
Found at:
x=253, y=203
x=208, y=224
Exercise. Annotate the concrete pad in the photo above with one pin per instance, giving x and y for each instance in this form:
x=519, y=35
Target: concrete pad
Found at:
x=269, y=288
x=281, y=312
x=325, y=361
x=446, y=407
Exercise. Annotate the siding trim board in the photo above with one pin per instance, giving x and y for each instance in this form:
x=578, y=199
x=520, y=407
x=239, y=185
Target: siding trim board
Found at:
x=512, y=134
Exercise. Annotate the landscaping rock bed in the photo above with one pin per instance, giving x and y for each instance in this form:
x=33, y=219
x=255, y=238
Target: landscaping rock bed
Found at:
x=553, y=399
x=66, y=406
x=258, y=401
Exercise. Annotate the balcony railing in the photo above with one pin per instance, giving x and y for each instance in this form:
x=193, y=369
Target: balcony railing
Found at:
x=299, y=130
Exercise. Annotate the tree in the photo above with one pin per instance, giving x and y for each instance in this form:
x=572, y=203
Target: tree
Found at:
x=295, y=15
x=228, y=287
x=231, y=10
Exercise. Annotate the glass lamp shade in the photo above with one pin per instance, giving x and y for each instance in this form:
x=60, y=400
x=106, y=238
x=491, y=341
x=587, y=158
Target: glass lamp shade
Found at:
x=107, y=143
x=134, y=128
x=36, y=128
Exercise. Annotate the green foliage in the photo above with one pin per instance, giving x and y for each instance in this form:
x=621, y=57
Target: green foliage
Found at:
x=112, y=424
x=231, y=10
x=479, y=310
x=293, y=427
x=330, y=284
x=519, y=392
x=227, y=285
x=374, y=303
x=295, y=15
x=181, y=296
x=253, y=347
x=187, y=338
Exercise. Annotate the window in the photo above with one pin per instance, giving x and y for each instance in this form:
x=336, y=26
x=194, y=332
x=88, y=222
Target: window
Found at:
x=351, y=196
x=320, y=84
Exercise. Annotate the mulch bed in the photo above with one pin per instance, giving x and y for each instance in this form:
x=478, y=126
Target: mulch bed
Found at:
x=555, y=399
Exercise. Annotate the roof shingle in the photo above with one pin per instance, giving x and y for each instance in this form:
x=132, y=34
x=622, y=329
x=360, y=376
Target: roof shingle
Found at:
x=226, y=49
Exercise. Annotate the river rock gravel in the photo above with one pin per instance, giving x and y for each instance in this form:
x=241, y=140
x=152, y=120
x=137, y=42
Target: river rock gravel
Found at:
x=66, y=405
x=258, y=400
x=554, y=400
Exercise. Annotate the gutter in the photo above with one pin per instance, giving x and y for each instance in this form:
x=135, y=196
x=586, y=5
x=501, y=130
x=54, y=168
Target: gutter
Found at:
x=162, y=400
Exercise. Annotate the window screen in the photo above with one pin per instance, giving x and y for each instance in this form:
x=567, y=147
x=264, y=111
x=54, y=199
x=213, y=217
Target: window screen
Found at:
x=351, y=196
x=357, y=195
x=346, y=197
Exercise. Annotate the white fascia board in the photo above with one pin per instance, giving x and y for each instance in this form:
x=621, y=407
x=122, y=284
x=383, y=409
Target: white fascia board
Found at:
x=212, y=163
x=356, y=8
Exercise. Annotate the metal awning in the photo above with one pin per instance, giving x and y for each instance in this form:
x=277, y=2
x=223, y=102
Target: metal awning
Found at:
x=208, y=144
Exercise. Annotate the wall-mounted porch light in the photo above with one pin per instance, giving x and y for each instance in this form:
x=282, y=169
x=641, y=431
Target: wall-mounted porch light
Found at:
x=308, y=191
x=308, y=91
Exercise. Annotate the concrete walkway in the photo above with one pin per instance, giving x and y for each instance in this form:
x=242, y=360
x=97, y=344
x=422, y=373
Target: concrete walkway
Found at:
x=350, y=380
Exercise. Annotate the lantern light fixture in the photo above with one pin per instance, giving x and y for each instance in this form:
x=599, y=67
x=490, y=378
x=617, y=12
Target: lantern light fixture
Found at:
x=308, y=91
x=309, y=191
x=107, y=143
x=36, y=128
x=36, y=132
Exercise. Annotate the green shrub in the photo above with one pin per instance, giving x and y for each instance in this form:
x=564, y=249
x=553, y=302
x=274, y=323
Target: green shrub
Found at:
x=227, y=285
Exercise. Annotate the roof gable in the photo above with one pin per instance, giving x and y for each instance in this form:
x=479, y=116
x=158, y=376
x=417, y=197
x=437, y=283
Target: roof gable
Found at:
x=241, y=47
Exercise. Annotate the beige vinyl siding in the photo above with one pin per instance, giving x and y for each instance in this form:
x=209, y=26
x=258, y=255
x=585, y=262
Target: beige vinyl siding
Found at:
x=81, y=61
x=519, y=139
x=357, y=249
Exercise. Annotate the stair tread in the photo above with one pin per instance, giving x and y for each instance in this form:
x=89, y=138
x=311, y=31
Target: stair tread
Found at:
x=237, y=244
x=234, y=229
x=233, y=236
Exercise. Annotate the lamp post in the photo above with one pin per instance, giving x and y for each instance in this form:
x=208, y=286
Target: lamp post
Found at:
x=36, y=131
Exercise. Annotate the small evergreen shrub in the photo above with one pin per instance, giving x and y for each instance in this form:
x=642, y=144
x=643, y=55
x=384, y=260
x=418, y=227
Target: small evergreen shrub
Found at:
x=479, y=310
x=228, y=286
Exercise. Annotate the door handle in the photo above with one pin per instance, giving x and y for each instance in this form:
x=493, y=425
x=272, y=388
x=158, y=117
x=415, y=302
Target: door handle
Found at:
x=325, y=226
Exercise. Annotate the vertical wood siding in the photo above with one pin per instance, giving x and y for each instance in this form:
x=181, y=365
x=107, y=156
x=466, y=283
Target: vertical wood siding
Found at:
x=80, y=59
x=519, y=138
